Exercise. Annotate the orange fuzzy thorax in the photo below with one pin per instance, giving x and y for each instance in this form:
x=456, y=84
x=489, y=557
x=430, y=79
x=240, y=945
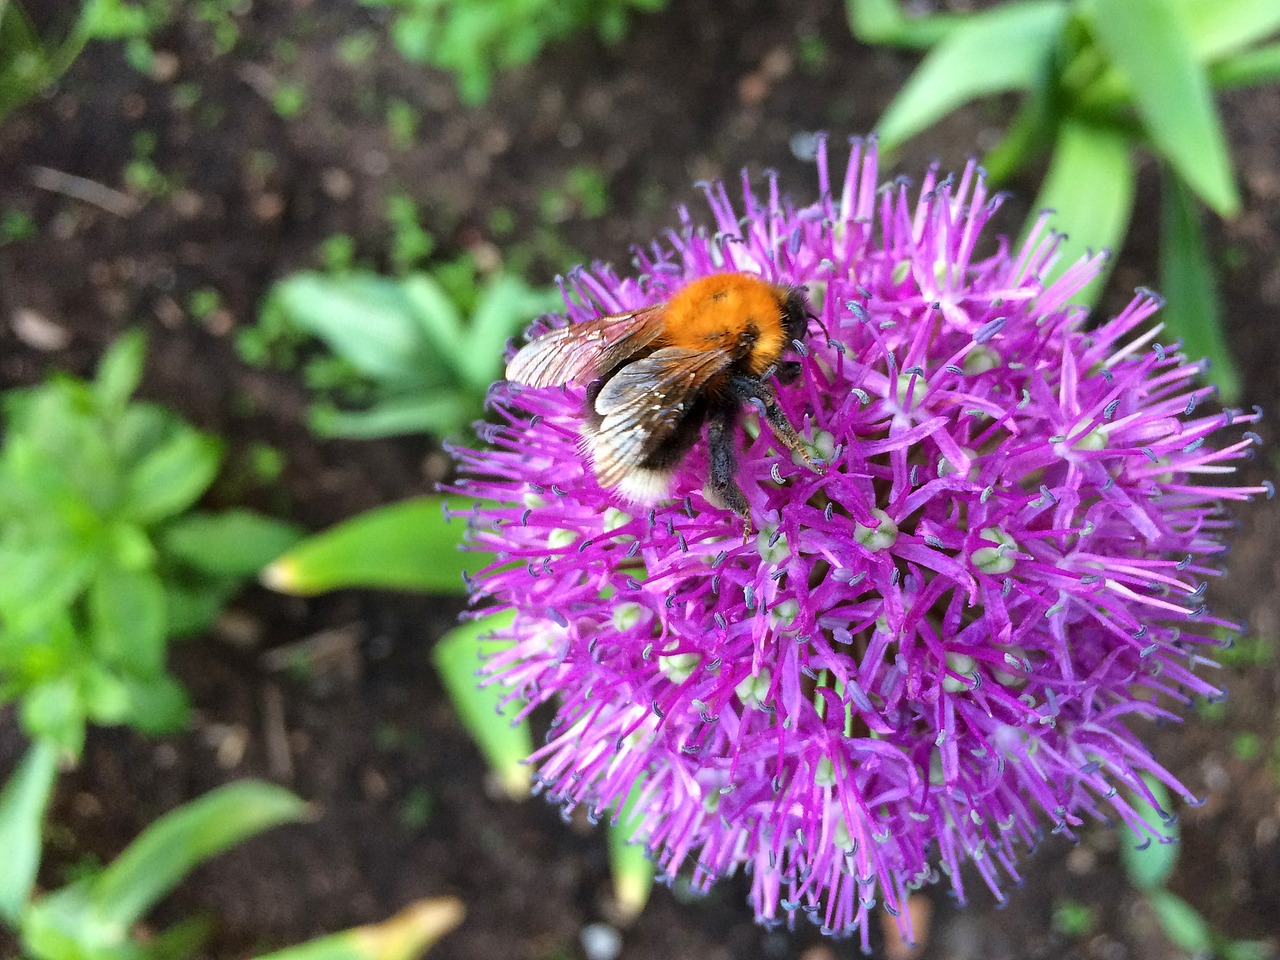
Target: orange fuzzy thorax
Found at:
x=715, y=312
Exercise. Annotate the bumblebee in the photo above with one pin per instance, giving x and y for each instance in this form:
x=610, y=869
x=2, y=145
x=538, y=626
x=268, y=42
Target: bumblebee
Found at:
x=657, y=375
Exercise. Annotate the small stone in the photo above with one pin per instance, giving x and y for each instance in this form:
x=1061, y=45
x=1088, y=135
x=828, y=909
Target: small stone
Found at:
x=39, y=332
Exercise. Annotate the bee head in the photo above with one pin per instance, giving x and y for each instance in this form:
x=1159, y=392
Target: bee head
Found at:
x=796, y=314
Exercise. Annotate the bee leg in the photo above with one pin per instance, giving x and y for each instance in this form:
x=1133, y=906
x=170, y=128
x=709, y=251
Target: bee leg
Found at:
x=722, y=485
x=788, y=371
x=756, y=391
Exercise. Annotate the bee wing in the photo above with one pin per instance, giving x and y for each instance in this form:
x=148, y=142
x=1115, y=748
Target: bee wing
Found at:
x=642, y=405
x=581, y=352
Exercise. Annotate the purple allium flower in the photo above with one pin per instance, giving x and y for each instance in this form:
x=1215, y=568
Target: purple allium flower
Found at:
x=928, y=654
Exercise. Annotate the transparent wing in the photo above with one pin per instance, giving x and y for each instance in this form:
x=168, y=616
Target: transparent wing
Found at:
x=581, y=352
x=643, y=404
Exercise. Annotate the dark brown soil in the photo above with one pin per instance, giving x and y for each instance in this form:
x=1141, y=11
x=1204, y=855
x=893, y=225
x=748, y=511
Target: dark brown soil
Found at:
x=699, y=91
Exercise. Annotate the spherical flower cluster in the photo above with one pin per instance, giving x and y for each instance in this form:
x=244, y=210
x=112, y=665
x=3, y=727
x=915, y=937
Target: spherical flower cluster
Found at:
x=925, y=655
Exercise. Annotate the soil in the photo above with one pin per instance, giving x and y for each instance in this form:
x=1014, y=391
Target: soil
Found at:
x=245, y=196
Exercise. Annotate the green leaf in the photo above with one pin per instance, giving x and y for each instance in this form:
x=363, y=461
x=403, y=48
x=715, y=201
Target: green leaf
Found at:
x=1218, y=28
x=437, y=316
x=403, y=546
x=1192, y=312
x=1181, y=923
x=505, y=742
x=629, y=861
x=442, y=412
x=506, y=307
x=126, y=620
x=234, y=543
x=192, y=608
x=183, y=839
x=1247, y=69
x=54, y=710
x=120, y=372
x=156, y=705
x=23, y=802
x=1149, y=45
x=1089, y=186
x=172, y=477
x=364, y=318
x=403, y=937
x=1006, y=48
x=1029, y=133
x=1243, y=949
x=1148, y=862
x=882, y=22
x=92, y=919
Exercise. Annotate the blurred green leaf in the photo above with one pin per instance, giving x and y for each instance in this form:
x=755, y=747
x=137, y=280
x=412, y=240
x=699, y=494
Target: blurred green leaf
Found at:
x=120, y=372
x=1149, y=45
x=52, y=710
x=1181, y=923
x=126, y=620
x=506, y=307
x=92, y=919
x=883, y=22
x=23, y=802
x=441, y=412
x=403, y=546
x=184, y=838
x=505, y=742
x=183, y=940
x=1005, y=48
x=1089, y=186
x=414, y=354
x=364, y=318
x=1221, y=27
x=1030, y=132
x=403, y=937
x=234, y=543
x=1248, y=68
x=192, y=608
x=154, y=704
x=1192, y=312
x=172, y=477
x=1148, y=862
x=1244, y=949
x=437, y=316
x=629, y=861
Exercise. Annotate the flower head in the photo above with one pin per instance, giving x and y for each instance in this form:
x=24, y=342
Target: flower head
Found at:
x=928, y=654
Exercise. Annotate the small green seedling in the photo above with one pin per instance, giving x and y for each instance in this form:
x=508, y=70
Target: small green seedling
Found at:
x=104, y=557
x=404, y=357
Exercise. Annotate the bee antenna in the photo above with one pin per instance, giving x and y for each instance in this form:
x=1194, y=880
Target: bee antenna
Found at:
x=818, y=320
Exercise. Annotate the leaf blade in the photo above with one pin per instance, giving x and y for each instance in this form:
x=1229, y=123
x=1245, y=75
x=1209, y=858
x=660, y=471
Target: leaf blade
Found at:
x=505, y=741
x=184, y=838
x=233, y=543
x=629, y=861
x=883, y=22
x=401, y=937
x=1148, y=43
x=1007, y=48
x=1090, y=189
x=1192, y=311
x=404, y=546
x=23, y=802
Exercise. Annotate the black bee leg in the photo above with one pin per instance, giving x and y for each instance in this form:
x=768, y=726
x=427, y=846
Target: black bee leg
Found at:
x=788, y=371
x=755, y=391
x=722, y=485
